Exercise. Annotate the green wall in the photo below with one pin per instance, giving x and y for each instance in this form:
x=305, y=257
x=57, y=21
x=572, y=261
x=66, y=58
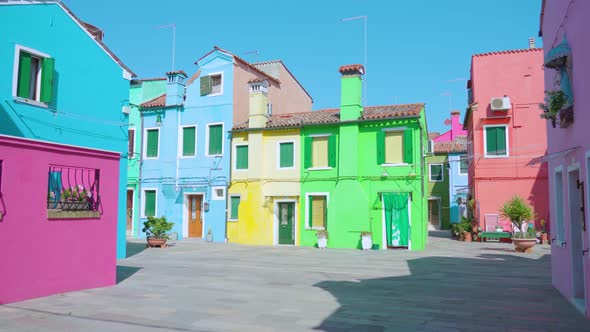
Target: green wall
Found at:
x=439, y=189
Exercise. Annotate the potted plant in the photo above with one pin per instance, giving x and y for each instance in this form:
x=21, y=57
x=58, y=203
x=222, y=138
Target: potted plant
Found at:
x=555, y=101
x=209, y=236
x=499, y=228
x=466, y=228
x=322, y=239
x=518, y=212
x=366, y=240
x=155, y=230
x=455, y=230
x=544, y=236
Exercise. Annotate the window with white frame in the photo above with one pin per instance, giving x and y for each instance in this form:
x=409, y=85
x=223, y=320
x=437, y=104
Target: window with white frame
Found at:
x=463, y=165
x=241, y=157
x=317, y=211
x=215, y=139
x=435, y=173
x=559, y=210
x=496, y=141
x=234, y=204
x=217, y=193
x=131, y=143
x=34, y=75
x=150, y=202
x=152, y=143
x=212, y=84
x=286, y=154
x=189, y=141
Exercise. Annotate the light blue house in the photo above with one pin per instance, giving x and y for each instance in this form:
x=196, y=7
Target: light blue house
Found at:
x=60, y=83
x=458, y=188
x=186, y=154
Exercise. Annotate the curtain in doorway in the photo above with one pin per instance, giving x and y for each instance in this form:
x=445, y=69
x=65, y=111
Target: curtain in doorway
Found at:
x=397, y=224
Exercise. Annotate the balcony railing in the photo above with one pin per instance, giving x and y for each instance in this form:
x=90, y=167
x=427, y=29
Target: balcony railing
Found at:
x=73, y=188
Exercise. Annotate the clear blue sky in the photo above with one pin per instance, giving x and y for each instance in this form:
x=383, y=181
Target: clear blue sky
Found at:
x=416, y=49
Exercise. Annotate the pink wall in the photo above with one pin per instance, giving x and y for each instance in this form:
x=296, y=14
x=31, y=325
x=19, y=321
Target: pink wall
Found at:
x=576, y=27
x=518, y=75
x=42, y=256
x=456, y=129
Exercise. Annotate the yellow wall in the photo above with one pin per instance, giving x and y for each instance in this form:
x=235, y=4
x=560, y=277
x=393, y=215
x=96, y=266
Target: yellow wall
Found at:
x=261, y=185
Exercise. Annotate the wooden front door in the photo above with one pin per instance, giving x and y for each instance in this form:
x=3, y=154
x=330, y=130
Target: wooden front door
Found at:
x=195, y=223
x=129, y=210
x=434, y=212
x=286, y=216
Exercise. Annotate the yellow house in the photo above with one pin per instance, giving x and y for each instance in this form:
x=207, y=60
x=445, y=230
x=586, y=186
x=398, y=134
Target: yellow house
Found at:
x=263, y=197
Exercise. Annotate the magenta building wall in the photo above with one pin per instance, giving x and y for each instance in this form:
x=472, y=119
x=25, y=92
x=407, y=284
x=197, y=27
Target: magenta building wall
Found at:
x=456, y=129
x=569, y=151
x=42, y=256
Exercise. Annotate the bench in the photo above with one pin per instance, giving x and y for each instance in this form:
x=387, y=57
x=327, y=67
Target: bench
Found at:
x=494, y=235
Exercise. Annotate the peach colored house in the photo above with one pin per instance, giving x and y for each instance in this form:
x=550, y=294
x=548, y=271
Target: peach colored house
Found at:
x=505, y=132
x=564, y=28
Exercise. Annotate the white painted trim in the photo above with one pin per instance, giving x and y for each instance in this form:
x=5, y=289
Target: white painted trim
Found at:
x=276, y=221
x=235, y=157
x=394, y=129
x=319, y=168
x=278, y=155
x=221, y=88
x=394, y=165
x=207, y=139
x=133, y=226
x=439, y=199
x=181, y=141
x=320, y=135
x=145, y=131
x=383, y=228
x=185, y=212
x=573, y=167
x=466, y=157
x=560, y=242
x=214, y=196
x=410, y=222
x=132, y=155
x=142, y=212
x=327, y=194
x=17, y=49
x=485, y=145
x=229, y=218
x=430, y=172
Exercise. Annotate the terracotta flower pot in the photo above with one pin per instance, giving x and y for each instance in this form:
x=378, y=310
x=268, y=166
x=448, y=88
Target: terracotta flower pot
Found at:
x=524, y=245
x=155, y=242
x=467, y=236
x=461, y=236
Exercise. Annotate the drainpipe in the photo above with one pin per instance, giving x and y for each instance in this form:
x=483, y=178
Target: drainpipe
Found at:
x=178, y=147
x=139, y=174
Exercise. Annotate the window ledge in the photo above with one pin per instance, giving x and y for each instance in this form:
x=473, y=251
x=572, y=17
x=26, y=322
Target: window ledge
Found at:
x=60, y=214
x=319, y=168
x=315, y=228
x=495, y=157
x=285, y=168
x=32, y=103
x=436, y=181
x=232, y=220
x=214, y=94
x=394, y=165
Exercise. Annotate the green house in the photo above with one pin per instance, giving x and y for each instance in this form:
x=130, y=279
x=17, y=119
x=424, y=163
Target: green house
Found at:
x=363, y=171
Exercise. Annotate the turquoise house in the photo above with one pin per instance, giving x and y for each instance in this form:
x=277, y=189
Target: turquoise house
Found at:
x=62, y=84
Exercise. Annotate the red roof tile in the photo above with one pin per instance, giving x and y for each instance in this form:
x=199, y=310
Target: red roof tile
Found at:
x=256, y=80
x=433, y=134
x=156, y=102
x=330, y=116
x=510, y=52
x=458, y=145
x=177, y=72
x=349, y=68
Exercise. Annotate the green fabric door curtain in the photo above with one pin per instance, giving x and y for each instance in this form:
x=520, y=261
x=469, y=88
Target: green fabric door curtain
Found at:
x=397, y=224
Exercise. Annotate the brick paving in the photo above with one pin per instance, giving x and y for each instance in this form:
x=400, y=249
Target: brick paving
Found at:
x=199, y=286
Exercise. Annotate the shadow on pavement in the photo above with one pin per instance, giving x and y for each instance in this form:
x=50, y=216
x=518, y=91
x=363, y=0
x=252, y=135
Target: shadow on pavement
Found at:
x=134, y=248
x=124, y=272
x=490, y=292
x=445, y=234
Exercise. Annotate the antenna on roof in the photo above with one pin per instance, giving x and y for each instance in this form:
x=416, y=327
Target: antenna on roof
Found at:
x=255, y=52
x=173, y=26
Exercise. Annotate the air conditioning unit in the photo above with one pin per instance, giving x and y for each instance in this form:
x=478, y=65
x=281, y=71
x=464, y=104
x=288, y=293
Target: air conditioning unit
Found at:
x=500, y=104
x=269, y=109
x=126, y=109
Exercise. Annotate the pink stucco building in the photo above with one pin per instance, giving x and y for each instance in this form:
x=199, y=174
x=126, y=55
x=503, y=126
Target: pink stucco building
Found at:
x=456, y=130
x=564, y=28
x=52, y=244
x=505, y=132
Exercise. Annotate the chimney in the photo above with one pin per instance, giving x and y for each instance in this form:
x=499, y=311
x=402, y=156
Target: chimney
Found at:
x=351, y=92
x=175, y=84
x=257, y=113
x=531, y=42
x=455, y=123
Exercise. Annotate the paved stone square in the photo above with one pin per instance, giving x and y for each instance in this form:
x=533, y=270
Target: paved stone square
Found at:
x=199, y=286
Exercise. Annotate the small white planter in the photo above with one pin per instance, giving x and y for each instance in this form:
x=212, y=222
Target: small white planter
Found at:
x=367, y=242
x=322, y=243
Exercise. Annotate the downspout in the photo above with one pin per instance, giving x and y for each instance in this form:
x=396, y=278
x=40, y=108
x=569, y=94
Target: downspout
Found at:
x=139, y=174
x=177, y=148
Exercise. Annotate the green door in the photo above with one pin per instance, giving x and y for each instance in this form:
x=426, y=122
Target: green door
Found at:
x=286, y=229
x=397, y=222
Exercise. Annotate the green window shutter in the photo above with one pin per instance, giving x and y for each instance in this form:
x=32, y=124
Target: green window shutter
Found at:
x=215, y=139
x=47, y=73
x=152, y=143
x=491, y=141
x=150, y=203
x=332, y=151
x=309, y=212
x=308, y=155
x=242, y=157
x=205, y=85
x=286, y=155
x=408, y=147
x=24, y=76
x=234, y=205
x=501, y=141
x=188, y=141
x=380, y=147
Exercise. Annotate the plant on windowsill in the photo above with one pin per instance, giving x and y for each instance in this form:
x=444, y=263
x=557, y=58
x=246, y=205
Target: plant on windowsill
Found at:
x=556, y=105
x=155, y=230
x=75, y=198
x=366, y=240
x=518, y=212
x=322, y=236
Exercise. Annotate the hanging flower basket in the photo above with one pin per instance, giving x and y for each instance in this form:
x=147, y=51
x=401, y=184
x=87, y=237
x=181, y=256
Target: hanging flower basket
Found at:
x=555, y=102
x=566, y=116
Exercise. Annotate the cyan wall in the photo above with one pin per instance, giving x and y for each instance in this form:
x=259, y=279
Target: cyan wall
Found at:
x=196, y=174
x=458, y=184
x=89, y=89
